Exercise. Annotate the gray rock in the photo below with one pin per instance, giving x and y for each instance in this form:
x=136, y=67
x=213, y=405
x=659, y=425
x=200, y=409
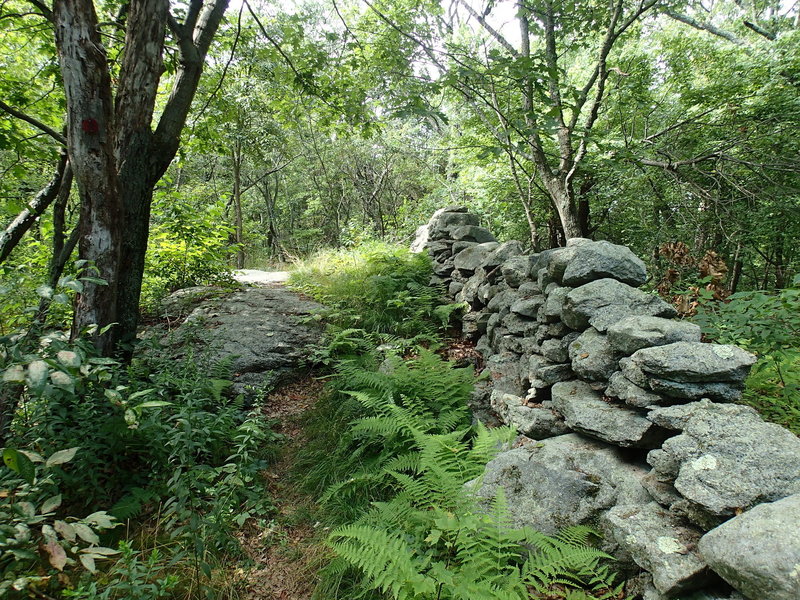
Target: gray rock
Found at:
x=585, y=411
x=536, y=422
x=454, y=288
x=679, y=391
x=446, y=221
x=678, y=417
x=527, y=307
x=660, y=489
x=462, y=245
x=659, y=543
x=529, y=289
x=561, y=481
x=469, y=293
x=758, y=552
x=557, y=349
x=555, y=302
x=633, y=373
x=471, y=258
x=557, y=262
x=265, y=330
x=505, y=373
x=472, y=233
x=599, y=260
x=546, y=372
x=503, y=299
x=592, y=356
x=516, y=270
x=727, y=460
x=634, y=333
x=503, y=252
x=517, y=325
x=695, y=362
x=603, y=302
x=502, y=403
x=621, y=387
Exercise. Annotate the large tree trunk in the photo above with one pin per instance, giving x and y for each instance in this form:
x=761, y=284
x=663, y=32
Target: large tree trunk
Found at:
x=91, y=141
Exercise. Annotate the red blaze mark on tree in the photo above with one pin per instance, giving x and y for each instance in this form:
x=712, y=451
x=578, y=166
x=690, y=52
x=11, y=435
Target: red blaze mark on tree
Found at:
x=90, y=126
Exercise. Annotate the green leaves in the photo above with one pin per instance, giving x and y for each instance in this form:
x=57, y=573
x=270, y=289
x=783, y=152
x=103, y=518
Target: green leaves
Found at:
x=20, y=464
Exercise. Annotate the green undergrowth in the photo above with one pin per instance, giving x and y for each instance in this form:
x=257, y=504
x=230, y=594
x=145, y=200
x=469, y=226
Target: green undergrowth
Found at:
x=124, y=482
x=392, y=448
x=767, y=324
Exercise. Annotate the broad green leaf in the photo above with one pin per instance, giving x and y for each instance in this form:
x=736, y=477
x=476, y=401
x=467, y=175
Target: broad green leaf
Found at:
x=152, y=404
x=51, y=504
x=66, y=530
x=88, y=562
x=85, y=533
x=61, y=457
x=101, y=519
x=20, y=464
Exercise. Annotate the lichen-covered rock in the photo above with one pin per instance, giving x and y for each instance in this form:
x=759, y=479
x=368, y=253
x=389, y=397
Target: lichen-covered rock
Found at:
x=505, y=373
x=592, y=356
x=536, y=422
x=585, y=411
x=634, y=333
x=695, y=362
x=473, y=257
x=621, y=387
x=547, y=373
x=472, y=233
x=660, y=543
x=561, y=481
x=727, y=459
x=599, y=260
x=604, y=302
x=758, y=552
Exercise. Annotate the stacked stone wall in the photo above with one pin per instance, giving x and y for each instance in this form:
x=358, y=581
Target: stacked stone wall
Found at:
x=629, y=419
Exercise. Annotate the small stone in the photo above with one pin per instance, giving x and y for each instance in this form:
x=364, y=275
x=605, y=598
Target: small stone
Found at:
x=536, y=422
x=621, y=387
x=592, y=356
x=471, y=258
x=472, y=233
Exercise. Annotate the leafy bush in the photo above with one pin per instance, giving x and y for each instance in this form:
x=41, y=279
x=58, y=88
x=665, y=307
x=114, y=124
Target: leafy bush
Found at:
x=379, y=288
x=161, y=436
x=767, y=324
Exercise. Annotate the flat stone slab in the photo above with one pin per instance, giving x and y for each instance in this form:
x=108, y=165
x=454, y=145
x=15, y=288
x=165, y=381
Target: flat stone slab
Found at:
x=758, y=552
x=636, y=332
x=695, y=362
x=585, y=411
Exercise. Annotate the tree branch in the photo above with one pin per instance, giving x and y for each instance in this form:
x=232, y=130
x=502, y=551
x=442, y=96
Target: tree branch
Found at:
x=35, y=122
x=703, y=26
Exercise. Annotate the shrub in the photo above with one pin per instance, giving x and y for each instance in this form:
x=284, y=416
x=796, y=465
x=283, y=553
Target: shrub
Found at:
x=767, y=324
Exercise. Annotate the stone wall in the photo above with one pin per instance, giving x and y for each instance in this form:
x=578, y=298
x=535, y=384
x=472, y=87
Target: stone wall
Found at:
x=628, y=419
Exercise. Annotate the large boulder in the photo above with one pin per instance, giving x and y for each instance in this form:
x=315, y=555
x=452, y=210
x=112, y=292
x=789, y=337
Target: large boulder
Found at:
x=758, y=552
x=516, y=270
x=604, y=302
x=598, y=260
x=726, y=460
x=659, y=543
x=561, y=481
x=634, y=333
x=585, y=411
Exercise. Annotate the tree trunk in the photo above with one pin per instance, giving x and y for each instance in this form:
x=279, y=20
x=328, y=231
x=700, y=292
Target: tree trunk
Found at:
x=236, y=156
x=91, y=141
